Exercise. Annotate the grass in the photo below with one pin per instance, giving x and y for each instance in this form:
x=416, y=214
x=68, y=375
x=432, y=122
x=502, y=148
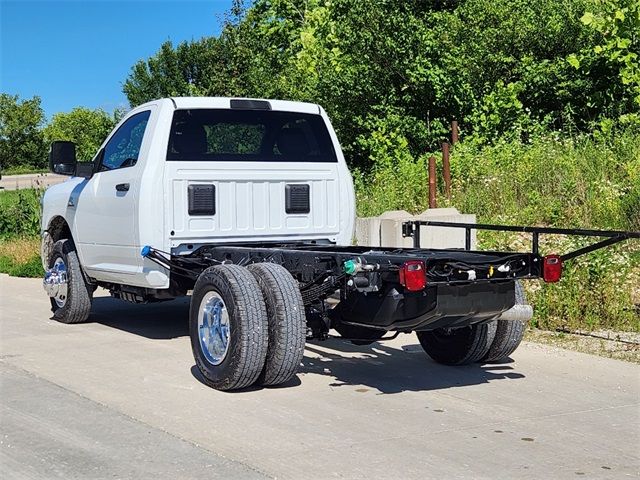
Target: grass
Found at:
x=628, y=351
x=20, y=257
x=19, y=233
x=20, y=213
x=586, y=181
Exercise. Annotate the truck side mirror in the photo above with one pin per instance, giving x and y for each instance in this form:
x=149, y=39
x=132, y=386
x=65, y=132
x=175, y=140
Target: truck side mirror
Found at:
x=62, y=158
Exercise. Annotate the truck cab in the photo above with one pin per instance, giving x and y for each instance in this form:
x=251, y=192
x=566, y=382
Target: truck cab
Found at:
x=179, y=173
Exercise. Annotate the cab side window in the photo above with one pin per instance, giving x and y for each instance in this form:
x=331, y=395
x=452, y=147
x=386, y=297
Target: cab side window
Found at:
x=123, y=148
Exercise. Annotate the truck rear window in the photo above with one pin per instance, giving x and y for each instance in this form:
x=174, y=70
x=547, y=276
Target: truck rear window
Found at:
x=249, y=135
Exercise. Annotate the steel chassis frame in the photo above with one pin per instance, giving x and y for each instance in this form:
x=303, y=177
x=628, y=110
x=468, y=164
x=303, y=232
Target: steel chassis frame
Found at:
x=319, y=267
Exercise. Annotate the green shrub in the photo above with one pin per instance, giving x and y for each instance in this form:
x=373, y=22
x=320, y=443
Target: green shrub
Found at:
x=20, y=213
x=586, y=181
x=31, y=268
x=553, y=180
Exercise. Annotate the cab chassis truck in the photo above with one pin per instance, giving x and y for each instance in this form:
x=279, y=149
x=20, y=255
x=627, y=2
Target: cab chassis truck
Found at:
x=248, y=204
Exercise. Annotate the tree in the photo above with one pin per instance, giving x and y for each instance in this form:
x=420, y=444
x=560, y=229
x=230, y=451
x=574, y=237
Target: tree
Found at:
x=86, y=128
x=180, y=71
x=614, y=54
x=411, y=66
x=21, y=140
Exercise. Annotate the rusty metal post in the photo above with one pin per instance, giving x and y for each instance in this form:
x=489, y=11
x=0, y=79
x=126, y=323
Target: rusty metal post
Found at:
x=432, y=182
x=446, y=167
x=454, y=132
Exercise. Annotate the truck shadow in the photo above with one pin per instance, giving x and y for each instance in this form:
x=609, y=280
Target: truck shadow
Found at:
x=390, y=369
x=386, y=367
x=159, y=321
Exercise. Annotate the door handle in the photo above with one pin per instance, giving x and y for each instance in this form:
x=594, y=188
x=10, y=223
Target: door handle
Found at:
x=122, y=187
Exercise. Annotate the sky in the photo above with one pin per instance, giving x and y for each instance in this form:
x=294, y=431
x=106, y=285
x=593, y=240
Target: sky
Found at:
x=79, y=53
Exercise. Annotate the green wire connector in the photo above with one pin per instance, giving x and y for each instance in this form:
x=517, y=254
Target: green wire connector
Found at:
x=349, y=267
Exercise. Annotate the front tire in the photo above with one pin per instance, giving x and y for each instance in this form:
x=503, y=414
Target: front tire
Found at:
x=228, y=327
x=287, y=322
x=71, y=302
x=458, y=346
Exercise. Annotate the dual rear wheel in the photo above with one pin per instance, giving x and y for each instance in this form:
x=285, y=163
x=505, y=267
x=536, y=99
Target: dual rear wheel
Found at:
x=247, y=326
x=486, y=342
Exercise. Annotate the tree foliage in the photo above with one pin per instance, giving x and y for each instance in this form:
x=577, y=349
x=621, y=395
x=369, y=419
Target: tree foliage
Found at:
x=411, y=66
x=615, y=25
x=86, y=128
x=21, y=140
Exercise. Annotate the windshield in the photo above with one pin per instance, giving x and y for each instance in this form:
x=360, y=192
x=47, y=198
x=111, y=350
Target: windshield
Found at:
x=249, y=135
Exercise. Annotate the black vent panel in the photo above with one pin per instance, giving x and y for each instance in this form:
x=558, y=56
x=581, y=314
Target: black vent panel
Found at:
x=297, y=198
x=202, y=200
x=246, y=104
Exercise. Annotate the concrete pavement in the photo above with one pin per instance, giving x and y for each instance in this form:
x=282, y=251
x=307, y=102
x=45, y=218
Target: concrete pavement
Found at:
x=50, y=432
x=30, y=180
x=353, y=412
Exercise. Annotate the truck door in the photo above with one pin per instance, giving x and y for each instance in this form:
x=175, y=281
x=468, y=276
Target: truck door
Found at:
x=106, y=210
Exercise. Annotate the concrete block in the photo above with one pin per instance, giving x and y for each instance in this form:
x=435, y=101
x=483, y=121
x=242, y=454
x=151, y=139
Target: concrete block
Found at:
x=395, y=215
x=437, y=212
x=368, y=231
x=443, y=237
x=386, y=230
x=368, y=228
x=391, y=233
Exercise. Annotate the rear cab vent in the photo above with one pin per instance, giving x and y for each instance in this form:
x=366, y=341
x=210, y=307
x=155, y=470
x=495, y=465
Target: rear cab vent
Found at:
x=202, y=200
x=297, y=198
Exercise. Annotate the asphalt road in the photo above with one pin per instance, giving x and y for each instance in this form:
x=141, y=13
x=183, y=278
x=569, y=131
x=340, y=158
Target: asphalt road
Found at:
x=31, y=180
x=119, y=397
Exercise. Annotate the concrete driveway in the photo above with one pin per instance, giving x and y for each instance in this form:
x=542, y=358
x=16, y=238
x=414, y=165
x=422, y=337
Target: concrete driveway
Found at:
x=30, y=180
x=119, y=397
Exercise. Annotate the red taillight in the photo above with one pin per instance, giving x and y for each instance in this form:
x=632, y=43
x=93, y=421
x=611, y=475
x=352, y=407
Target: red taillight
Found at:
x=551, y=268
x=413, y=275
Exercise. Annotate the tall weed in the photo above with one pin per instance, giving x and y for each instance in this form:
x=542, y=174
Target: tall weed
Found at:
x=551, y=180
x=20, y=213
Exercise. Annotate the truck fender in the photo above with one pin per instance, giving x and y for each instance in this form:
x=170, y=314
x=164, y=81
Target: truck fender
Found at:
x=57, y=229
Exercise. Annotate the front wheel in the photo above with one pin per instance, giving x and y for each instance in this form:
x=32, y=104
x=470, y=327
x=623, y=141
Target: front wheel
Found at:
x=64, y=283
x=228, y=327
x=458, y=346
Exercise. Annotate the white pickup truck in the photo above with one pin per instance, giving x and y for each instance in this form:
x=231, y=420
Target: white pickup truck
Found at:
x=249, y=205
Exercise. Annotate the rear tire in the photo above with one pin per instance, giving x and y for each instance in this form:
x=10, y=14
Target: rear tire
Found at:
x=72, y=305
x=287, y=322
x=228, y=327
x=458, y=346
x=509, y=333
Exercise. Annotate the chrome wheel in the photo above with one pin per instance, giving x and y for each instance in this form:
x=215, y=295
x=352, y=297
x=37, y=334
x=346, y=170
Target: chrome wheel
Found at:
x=213, y=328
x=55, y=282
